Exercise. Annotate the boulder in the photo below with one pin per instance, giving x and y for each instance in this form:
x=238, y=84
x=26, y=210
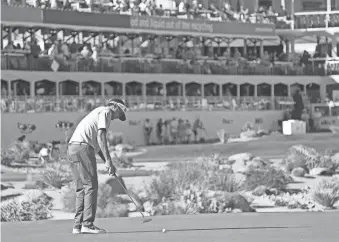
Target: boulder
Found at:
x=248, y=134
x=226, y=168
x=239, y=166
x=10, y=194
x=319, y=171
x=256, y=163
x=124, y=147
x=5, y=186
x=240, y=156
x=298, y=172
x=114, y=184
x=260, y=190
x=236, y=201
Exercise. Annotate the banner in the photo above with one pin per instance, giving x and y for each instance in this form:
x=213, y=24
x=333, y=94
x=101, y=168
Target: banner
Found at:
x=186, y=26
x=332, y=67
x=20, y=14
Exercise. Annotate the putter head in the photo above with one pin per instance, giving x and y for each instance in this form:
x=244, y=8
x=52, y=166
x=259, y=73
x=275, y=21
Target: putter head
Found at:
x=146, y=220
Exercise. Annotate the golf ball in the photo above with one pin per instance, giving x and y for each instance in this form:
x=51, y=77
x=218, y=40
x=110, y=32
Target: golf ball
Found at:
x=163, y=230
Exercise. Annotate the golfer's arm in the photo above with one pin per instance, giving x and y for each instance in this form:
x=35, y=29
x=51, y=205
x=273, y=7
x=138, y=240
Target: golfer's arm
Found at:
x=101, y=155
x=102, y=140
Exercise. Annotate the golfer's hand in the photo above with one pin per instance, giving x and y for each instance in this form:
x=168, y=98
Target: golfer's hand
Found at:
x=110, y=168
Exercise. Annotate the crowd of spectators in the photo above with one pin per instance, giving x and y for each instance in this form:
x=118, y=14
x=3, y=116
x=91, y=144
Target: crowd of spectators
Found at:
x=27, y=104
x=185, y=9
x=62, y=56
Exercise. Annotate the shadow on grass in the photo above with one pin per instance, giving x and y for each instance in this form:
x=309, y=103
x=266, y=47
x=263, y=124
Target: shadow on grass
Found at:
x=209, y=229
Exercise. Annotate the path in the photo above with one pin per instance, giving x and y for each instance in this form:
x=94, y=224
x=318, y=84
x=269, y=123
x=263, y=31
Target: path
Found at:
x=263, y=227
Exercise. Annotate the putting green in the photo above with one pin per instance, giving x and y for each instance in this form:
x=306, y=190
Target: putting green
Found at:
x=264, y=227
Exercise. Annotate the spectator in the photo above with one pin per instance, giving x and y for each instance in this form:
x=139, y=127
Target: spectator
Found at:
x=143, y=8
x=86, y=52
x=148, y=131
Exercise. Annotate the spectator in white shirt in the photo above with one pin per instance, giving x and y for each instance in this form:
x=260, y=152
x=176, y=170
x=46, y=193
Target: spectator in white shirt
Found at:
x=143, y=7
x=86, y=52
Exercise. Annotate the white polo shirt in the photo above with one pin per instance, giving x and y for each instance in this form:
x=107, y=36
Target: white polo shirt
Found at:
x=87, y=129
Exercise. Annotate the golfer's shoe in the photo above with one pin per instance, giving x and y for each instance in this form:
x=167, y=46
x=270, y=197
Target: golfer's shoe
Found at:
x=92, y=230
x=76, y=231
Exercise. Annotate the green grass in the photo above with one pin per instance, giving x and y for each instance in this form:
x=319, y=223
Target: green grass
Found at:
x=268, y=147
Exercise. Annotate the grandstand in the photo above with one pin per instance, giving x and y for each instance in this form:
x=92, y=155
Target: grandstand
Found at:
x=70, y=56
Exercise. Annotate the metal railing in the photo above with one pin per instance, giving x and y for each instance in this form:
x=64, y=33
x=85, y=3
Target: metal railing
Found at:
x=41, y=104
x=13, y=61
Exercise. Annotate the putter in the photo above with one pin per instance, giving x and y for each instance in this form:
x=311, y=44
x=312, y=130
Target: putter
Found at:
x=144, y=219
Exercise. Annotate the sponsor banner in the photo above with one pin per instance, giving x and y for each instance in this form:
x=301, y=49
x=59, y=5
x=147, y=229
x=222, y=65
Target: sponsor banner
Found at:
x=332, y=67
x=155, y=23
x=85, y=19
x=316, y=20
x=20, y=14
x=326, y=122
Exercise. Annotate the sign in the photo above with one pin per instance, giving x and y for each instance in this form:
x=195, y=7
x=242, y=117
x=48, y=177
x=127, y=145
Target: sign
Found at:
x=186, y=26
x=134, y=123
x=20, y=14
x=316, y=20
x=326, y=122
x=332, y=67
x=226, y=121
x=144, y=22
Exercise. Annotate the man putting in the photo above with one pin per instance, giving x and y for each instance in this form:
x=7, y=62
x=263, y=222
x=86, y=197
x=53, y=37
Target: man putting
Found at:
x=88, y=139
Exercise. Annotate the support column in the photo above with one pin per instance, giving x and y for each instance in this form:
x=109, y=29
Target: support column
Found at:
x=124, y=91
x=220, y=92
x=334, y=47
x=202, y=90
x=292, y=49
x=272, y=97
x=32, y=89
x=261, y=48
x=255, y=90
x=164, y=93
x=245, y=48
x=103, y=91
x=9, y=88
x=80, y=89
x=144, y=97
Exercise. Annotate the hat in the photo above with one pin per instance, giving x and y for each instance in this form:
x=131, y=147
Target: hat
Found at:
x=114, y=103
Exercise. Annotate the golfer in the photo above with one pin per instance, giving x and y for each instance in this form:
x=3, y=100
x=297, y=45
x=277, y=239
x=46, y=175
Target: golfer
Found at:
x=88, y=139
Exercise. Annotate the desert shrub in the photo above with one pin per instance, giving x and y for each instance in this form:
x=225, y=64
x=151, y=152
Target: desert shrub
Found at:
x=107, y=207
x=301, y=156
x=248, y=126
x=35, y=184
x=27, y=210
x=114, y=139
x=224, y=182
x=308, y=158
x=298, y=172
x=270, y=178
x=16, y=152
x=57, y=174
x=326, y=192
x=203, y=174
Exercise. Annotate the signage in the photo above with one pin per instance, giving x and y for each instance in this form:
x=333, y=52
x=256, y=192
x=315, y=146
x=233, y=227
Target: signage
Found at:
x=332, y=67
x=134, y=123
x=227, y=121
x=326, y=122
x=153, y=23
x=143, y=22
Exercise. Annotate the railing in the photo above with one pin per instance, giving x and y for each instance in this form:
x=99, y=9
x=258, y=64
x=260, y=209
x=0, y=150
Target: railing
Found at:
x=308, y=20
x=21, y=104
x=17, y=61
